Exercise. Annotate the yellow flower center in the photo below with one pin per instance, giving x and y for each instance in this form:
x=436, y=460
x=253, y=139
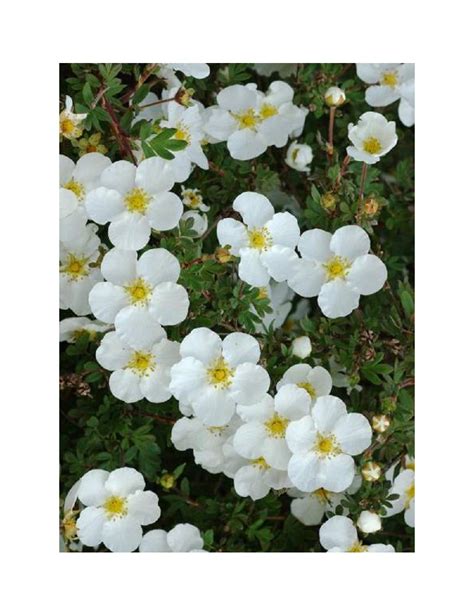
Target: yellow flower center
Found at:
x=216, y=430
x=276, y=425
x=390, y=78
x=259, y=239
x=262, y=293
x=69, y=525
x=138, y=291
x=247, y=119
x=409, y=494
x=137, y=201
x=142, y=363
x=194, y=200
x=76, y=187
x=326, y=446
x=372, y=145
x=358, y=547
x=322, y=495
x=167, y=481
x=307, y=387
x=337, y=267
x=182, y=133
x=115, y=506
x=220, y=374
x=267, y=111
x=260, y=463
x=75, y=267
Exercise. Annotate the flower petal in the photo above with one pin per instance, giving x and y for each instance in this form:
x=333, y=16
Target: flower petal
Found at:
x=169, y=303
x=284, y=229
x=233, y=233
x=129, y=231
x=306, y=278
x=251, y=269
x=122, y=534
x=125, y=385
x=249, y=438
x=165, y=211
x=203, y=344
x=158, y=265
x=314, y=244
x=106, y=301
x=153, y=176
x=337, y=298
x=250, y=384
x=112, y=354
x=124, y=481
x=185, y=538
x=327, y=411
x=90, y=525
x=353, y=433
x=155, y=541
x=350, y=241
x=238, y=348
x=143, y=506
x=367, y=274
x=338, y=532
x=137, y=327
x=255, y=209
x=92, y=490
x=103, y=204
x=280, y=262
x=119, y=266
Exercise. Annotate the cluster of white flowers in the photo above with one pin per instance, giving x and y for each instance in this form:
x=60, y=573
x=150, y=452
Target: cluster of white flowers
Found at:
x=302, y=439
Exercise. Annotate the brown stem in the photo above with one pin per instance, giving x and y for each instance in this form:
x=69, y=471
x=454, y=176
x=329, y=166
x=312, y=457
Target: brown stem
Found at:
x=363, y=178
x=164, y=100
x=332, y=114
x=342, y=171
x=122, y=138
x=141, y=80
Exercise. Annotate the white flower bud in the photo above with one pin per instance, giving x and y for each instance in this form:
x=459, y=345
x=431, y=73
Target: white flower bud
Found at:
x=301, y=347
x=299, y=156
x=369, y=522
x=334, y=97
x=199, y=221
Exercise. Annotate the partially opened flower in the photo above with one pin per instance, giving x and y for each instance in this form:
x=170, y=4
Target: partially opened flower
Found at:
x=257, y=478
x=315, y=381
x=299, y=156
x=70, y=123
x=182, y=538
x=116, y=508
x=263, y=433
x=139, y=295
x=135, y=200
x=390, y=83
x=192, y=198
x=337, y=268
x=250, y=121
x=198, y=223
x=339, y=534
x=323, y=444
x=265, y=241
x=71, y=328
x=214, y=375
x=372, y=137
x=310, y=508
x=141, y=371
x=404, y=486
x=301, y=347
x=79, y=271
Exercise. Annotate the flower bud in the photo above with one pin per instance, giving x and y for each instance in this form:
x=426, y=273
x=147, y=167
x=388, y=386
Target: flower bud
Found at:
x=334, y=97
x=328, y=201
x=371, y=471
x=371, y=207
x=369, y=522
x=301, y=347
x=299, y=156
x=223, y=255
x=380, y=423
x=167, y=481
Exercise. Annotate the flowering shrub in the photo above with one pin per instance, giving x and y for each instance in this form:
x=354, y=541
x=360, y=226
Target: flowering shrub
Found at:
x=237, y=316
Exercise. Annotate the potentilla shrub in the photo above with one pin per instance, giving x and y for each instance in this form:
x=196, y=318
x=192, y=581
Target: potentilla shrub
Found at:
x=237, y=314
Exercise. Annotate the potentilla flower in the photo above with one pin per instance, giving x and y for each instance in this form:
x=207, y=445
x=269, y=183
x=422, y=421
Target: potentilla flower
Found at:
x=404, y=486
x=214, y=375
x=117, y=506
x=192, y=198
x=135, y=200
x=264, y=430
x=182, y=538
x=372, y=137
x=299, y=156
x=323, y=444
x=339, y=534
x=334, y=97
x=199, y=222
x=251, y=121
x=140, y=371
x=72, y=217
x=257, y=478
x=72, y=328
x=70, y=123
x=139, y=295
x=371, y=471
x=301, y=347
x=78, y=270
x=265, y=241
x=337, y=268
x=391, y=82
x=316, y=381
x=279, y=296
x=369, y=522
x=90, y=144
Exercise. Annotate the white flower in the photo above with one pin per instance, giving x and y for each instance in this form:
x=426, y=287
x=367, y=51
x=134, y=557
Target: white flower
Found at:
x=195, y=69
x=404, y=486
x=251, y=121
x=337, y=268
x=334, y=97
x=117, y=506
x=199, y=222
x=72, y=217
x=323, y=445
x=263, y=433
x=139, y=371
x=339, y=534
x=192, y=198
x=285, y=70
x=71, y=328
x=78, y=270
x=299, y=156
x=301, y=347
x=139, y=295
x=280, y=296
x=70, y=123
x=257, y=478
x=135, y=200
x=188, y=123
x=372, y=137
x=215, y=375
x=391, y=82
x=310, y=508
x=209, y=443
x=265, y=241
x=369, y=522
x=316, y=381
x=182, y=538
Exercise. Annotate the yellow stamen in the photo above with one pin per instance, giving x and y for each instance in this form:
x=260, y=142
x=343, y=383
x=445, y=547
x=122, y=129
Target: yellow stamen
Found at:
x=390, y=78
x=76, y=187
x=75, y=267
x=260, y=463
x=142, y=363
x=137, y=201
x=357, y=547
x=322, y=495
x=337, y=267
x=307, y=387
x=326, y=446
x=267, y=111
x=409, y=494
x=259, y=238
x=247, y=119
x=138, y=291
x=182, y=133
x=372, y=145
x=115, y=506
x=220, y=374
x=276, y=425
